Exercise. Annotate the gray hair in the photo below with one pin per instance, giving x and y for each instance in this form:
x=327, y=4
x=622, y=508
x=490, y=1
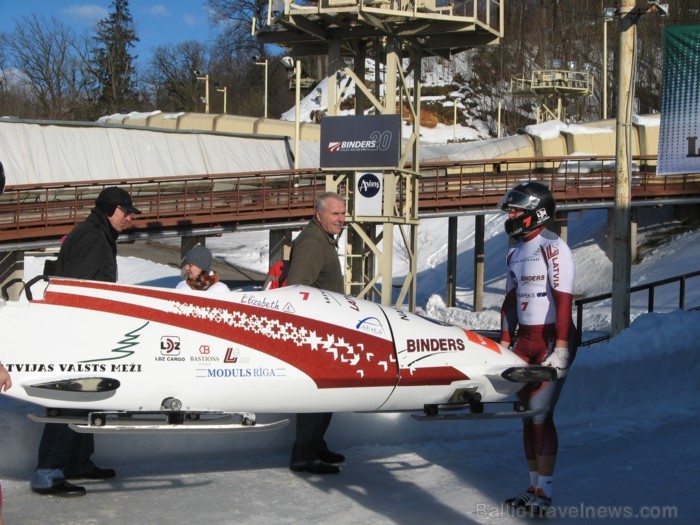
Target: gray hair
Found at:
x=321, y=199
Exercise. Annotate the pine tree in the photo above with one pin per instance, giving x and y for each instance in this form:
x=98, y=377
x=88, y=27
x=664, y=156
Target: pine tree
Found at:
x=112, y=62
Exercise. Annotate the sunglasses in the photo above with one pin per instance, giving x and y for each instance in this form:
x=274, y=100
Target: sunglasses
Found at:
x=125, y=212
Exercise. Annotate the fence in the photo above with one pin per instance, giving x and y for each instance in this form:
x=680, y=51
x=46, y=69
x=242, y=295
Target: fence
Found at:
x=32, y=212
x=650, y=287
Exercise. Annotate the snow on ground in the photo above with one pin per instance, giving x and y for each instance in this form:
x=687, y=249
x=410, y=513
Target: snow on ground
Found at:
x=628, y=422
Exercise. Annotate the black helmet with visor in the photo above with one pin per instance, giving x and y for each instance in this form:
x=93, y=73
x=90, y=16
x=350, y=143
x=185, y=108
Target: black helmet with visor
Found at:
x=537, y=203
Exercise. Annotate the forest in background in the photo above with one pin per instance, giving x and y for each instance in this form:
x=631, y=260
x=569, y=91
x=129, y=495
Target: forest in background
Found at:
x=49, y=72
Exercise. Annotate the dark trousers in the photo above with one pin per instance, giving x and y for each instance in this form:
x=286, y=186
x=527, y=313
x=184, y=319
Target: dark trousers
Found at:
x=310, y=431
x=65, y=449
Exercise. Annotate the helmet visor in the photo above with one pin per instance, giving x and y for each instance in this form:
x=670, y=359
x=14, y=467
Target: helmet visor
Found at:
x=516, y=199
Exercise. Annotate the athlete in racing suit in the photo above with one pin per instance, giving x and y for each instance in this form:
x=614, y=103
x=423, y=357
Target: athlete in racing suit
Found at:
x=539, y=293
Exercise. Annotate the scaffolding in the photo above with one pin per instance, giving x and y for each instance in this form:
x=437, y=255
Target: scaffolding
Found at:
x=552, y=87
x=395, y=35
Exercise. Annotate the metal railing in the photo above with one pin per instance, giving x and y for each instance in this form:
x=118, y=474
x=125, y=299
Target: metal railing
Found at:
x=448, y=186
x=48, y=211
x=649, y=287
x=175, y=203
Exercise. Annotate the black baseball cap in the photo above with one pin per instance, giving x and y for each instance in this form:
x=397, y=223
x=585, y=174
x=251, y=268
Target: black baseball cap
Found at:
x=111, y=198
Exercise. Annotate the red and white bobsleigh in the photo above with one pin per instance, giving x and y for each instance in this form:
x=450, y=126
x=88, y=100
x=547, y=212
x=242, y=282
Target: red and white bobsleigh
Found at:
x=141, y=358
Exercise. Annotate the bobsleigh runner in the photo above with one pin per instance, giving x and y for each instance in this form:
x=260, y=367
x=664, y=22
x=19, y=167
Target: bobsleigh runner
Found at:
x=140, y=359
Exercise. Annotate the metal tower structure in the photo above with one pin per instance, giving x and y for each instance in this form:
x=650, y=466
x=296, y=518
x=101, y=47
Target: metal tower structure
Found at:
x=396, y=35
x=552, y=87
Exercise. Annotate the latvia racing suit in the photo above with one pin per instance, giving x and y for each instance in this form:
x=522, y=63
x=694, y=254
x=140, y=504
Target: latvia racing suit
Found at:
x=538, y=300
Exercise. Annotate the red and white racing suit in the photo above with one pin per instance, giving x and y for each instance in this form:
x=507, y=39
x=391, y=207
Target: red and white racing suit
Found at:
x=539, y=295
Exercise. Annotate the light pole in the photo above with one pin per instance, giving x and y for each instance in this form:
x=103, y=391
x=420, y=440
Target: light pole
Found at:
x=499, y=118
x=608, y=16
x=263, y=63
x=200, y=76
x=297, y=112
x=293, y=68
x=455, y=99
x=454, y=120
x=223, y=90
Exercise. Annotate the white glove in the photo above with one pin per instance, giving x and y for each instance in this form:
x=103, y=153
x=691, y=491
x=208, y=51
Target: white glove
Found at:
x=559, y=359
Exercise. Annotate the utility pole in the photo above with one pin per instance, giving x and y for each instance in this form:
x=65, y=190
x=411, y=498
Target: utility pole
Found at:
x=622, y=216
x=608, y=16
x=297, y=112
x=263, y=62
x=205, y=77
x=605, y=68
x=224, y=90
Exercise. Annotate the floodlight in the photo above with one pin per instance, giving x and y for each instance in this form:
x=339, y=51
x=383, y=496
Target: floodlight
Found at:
x=660, y=8
x=609, y=13
x=288, y=63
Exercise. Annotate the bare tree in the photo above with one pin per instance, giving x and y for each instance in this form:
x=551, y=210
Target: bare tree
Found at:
x=172, y=77
x=43, y=63
x=53, y=62
x=235, y=18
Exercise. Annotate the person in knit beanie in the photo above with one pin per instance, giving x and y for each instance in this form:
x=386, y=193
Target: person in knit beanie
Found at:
x=199, y=274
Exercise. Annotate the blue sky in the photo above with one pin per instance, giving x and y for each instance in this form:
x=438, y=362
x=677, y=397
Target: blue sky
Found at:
x=158, y=22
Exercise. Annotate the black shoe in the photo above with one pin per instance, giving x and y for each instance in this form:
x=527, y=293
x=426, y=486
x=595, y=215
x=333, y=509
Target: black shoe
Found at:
x=94, y=473
x=523, y=500
x=315, y=467
x=328, y=456
x=63, y=489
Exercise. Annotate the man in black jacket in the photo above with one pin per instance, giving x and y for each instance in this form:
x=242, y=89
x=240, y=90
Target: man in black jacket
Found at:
x=88, y=252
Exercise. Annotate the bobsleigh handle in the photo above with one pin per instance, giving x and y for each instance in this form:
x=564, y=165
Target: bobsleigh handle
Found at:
x=27, y=287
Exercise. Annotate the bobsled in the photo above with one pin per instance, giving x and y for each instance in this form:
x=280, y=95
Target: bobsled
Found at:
x=139, y=358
